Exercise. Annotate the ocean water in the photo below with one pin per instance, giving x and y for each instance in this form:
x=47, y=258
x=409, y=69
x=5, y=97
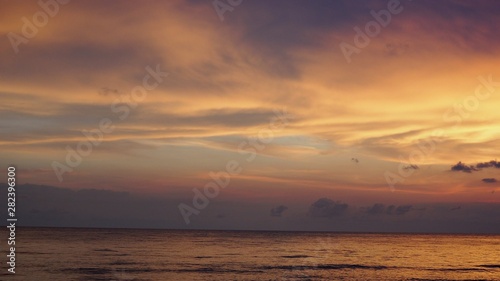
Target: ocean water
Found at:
x=45, y=254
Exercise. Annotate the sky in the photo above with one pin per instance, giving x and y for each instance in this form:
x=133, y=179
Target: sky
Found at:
x=279, y=115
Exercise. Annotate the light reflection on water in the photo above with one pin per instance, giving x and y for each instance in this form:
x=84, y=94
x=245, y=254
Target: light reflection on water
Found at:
x=98, y=254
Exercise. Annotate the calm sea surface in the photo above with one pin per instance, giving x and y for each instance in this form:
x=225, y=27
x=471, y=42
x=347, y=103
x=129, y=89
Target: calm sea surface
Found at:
x=45, y=254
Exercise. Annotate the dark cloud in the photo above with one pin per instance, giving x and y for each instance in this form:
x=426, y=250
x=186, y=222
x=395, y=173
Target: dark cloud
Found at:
x=401, y=210
x=277, y=211
x=89, y=61
x=411, y=167
x=70, y=119
x=326, y=208
x=489, y=180
x=60, y=207
x=232, y=117
x=274, y=30
x=390, y=209
x=378, y=209
x=472, y=168
x=490, y=164
x=463, y=167
x=105, y=91
x=468, y=19
x=50, y=206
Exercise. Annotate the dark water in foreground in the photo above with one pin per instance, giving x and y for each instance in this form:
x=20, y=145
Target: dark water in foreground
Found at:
x=99, y=254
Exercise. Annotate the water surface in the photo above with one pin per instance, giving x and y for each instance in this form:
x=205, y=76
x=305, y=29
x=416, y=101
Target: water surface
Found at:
x=45, y=254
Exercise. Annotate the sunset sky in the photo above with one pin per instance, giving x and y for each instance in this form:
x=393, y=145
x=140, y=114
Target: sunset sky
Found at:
x=410, y=119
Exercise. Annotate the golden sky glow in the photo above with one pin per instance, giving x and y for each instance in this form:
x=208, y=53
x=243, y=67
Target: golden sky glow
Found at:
x=226, y=79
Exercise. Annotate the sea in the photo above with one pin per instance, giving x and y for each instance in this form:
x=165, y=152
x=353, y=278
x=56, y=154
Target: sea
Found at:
x=52, y=254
